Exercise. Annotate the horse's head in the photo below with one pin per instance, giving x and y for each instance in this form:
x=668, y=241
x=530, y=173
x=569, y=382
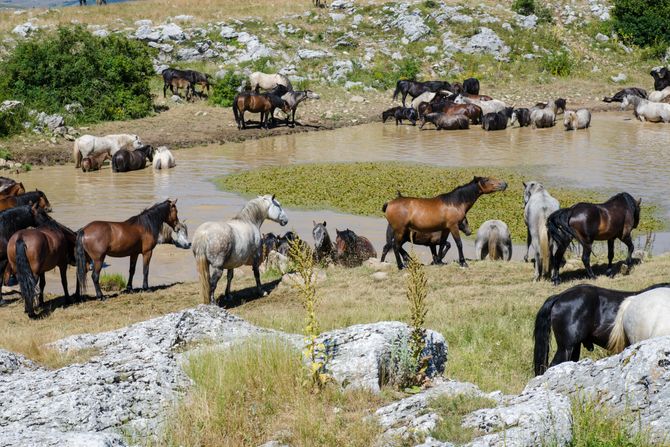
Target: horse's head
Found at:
x=531, y=188
x=137, y=143
x=460, y=99
x=488, y=185
x=561, y=104
x=320, y=234
x=345, y=241
x=464, y=226
x=87, y=164
x=172, y=218
x=311, y=95
x=275, y=211
x=180, y=236
x=39, y=214
x=270, y=242
x=570, y=120
x=43, y=202
x=20, y=189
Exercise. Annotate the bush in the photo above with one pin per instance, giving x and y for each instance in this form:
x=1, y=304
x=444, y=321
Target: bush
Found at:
x=642, y=22
x=224, y=90
x=113, y=282
x=558, y=63
x=525, y=7
x=108, y=76
x=11, y=121
x=408, y=69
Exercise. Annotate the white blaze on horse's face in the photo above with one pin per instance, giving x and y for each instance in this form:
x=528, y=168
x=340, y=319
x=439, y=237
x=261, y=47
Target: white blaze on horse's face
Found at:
x=275, y=211
x=180, y=236
x=312, y=95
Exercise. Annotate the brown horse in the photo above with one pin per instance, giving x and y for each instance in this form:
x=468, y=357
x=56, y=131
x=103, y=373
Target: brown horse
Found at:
x=135, y=236
x=265, y=104
x=94, y=161
x=440, y=213
x=352, y=249
x=13, y=190
x=32, y=252
x=177, y=83
x=588, y=222
x=28, y=198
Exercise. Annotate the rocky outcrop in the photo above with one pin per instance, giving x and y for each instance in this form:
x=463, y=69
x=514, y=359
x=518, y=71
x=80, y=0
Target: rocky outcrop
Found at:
x=411, y=24
x=637, y=380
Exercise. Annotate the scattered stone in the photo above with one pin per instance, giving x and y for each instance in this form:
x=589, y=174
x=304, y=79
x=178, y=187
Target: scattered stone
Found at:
x=338, y=71
x=621, y=77
x=410, y=24
x=341, y=4
x=380, y=276
x=172, y=31
x=24, y=30
x=430, y=49
x=50, y=121
x=183, y=18
x=164, y=47
x=10, y=105
x=487, y=42
x=507, y=26
x=145, y=32
x=313, y=54
x=526, y=22
x=461, y=18
x=143, y=22
x=357, y=98
x=177, y=99
x=351, y=84
x=228, y=32
x=337, y=17
x=100, y=32
x=600, y=37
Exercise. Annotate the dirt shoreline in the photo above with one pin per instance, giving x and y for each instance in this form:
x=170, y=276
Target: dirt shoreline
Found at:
x=184, y=126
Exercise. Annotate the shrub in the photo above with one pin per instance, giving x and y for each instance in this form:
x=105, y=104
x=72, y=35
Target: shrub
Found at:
x=558, y=63
x=108, y=76
x=525, y=7
x=408, y=69
x=225, y=89
x=5, y=153
x=11, y=121
x=113, y=282
x=642, y=22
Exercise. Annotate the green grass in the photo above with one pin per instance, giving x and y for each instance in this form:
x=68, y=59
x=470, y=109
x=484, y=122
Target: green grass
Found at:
x=362, y=188
x=112, y=282
x=451, y=410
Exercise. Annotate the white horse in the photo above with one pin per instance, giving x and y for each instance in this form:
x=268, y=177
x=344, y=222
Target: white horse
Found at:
x=580, y=119
x=490, y=106
x=228, y=245
x=268, y=81
x=538, y=205
x=543, y=117
x=86, y=145
x=423, y=97
x=640, y=317
x=494, y=240
x=659, y=95
x=163, y=158
x=646, y=110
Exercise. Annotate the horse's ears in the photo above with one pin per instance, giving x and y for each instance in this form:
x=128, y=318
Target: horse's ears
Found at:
x=314, y=223
x=324, y=223
x=639, y=201
x=524, y=184
x=273, y=197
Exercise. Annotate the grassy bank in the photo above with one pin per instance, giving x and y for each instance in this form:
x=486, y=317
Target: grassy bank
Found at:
x=362, y=188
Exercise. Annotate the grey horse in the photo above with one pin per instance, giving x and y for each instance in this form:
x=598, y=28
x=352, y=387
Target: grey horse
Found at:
x=538, y=205
x=494, y=240
x=293, y=98
x=232, y=244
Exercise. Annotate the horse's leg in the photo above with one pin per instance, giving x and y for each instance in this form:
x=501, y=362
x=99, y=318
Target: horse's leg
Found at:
x=576, y=350
x=257, y=277
x=404, y=96
x=444, y=247
x=556, y=264
x=528, y=242
x=610, y=257
x=131, y=272
x=397, y=249
x=63, y=281
x=95, y=275
x=433, y=253
x=43, y=282
x=586, y=259
x=3, y=267
x=230, y=281
x=563, y=354
x=457, y=238
x=629, y=243
x=146, y=259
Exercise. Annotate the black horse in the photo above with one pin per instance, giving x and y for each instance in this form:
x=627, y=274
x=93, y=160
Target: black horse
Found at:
x=589, y=222
x=494, y=121
x=13, y=220
x=582, y=315
x=415, y=88
x=471, y=85
x=125, y=160
x=401, y=113
x=522, y=116
x=661, y=77
x=621, y=94
x=192, y=76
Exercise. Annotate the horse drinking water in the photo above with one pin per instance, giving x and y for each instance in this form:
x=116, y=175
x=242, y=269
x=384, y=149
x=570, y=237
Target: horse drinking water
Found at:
x=232, y=244
x=132, y=237
x=440, y=213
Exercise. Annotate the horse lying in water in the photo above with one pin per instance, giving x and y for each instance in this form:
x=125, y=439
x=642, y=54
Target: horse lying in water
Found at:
x=124, y=160
x=580, y=119
x=621, y=94
x=445, y=121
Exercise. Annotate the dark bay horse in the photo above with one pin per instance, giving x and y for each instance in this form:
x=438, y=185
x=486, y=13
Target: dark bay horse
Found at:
x=28, y=198
x=264, y=103
x=9, y=187
x=415, y=88
x=125, y=160
x=589, y=222
x=137, y=235
x=430, y=240
x=32, y=252
x=582, y=315
x=352, y=249
x=441, y=213
x=11, y=221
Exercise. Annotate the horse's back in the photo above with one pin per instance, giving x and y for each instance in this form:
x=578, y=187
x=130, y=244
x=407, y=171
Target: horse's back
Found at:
x=227, y=244
x=648, y=315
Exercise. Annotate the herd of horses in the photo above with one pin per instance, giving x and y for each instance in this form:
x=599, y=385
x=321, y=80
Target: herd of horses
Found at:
x=126, y=151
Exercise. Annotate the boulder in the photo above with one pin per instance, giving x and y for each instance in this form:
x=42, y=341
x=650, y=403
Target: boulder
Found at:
x=50, y=121
x=411, y=25
x=338, y=71
x=25, y=29
x=100, y=32
x=487, y=42
x=527, y=22
x=171, y=31
x=10, y=104
x=228, y=32
x=600, y=37
x=313, y=54
x=358, y=353
x=636, y=380
x=145, y=32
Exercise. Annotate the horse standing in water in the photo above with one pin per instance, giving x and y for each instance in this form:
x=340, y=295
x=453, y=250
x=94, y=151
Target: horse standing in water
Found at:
x=232, y=244
x=440, y=213
x=136, y=235
x=9, y=187
x=589, y=222
x=125, y=160
x=582, y=315
x=11, y=221
x=640, y=317
x=32, y=252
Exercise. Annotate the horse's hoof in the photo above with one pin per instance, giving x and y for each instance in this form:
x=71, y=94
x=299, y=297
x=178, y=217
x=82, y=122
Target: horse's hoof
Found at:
x=102, y=298
x=525, y=259
x=625, y=269
x=464, y=265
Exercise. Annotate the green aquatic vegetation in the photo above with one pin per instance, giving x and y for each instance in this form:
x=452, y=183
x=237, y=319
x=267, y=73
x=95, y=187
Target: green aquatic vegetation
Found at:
x=362, y=188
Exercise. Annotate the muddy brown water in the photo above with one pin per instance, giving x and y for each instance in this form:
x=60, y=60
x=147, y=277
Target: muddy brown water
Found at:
x=616, y=154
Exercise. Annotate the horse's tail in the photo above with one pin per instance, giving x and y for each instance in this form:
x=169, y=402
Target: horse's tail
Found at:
x=384, y=206
x=76, y=154
x=25, y=276
x=541, y=334
x=397, y=89
x=617, y=339
x=236, y=110
x=558, y=227
x=494, y=238
x=545, y=253
x=202, y=264
x=115, y=165
x=80, y=258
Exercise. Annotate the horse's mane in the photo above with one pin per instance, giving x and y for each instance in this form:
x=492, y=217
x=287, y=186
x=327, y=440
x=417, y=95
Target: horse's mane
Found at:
x=630, y=201
x=252, y=211
x=53, y=223
x=462, y=193
x=11, y=220
x=27, y=197
x=152, y=218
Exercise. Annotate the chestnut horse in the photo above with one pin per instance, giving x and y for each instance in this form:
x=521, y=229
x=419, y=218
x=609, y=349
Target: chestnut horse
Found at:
x=28, y=198
x=137, y=235
x=32, y=252
x=11, y=221
x=588, y=222
x=13, y=190
x=94, y=161
x=440, y=213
